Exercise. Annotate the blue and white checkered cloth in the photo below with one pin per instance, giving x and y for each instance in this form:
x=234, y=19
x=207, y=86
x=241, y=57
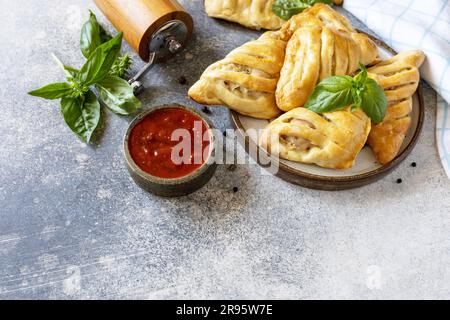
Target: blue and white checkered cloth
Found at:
x=417, y=24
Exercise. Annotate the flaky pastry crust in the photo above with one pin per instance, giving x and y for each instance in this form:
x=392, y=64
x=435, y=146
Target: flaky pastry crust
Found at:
x=331, y=140
x=254, y=14
x=399, y=77
x=246, y=79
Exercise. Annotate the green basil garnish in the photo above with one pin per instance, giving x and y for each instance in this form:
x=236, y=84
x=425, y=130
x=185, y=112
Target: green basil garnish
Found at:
x=332, y=93
x=121, y=65
x=373, y=101
x=118, y=95
x=100, y=61
x=53, y=91
x=104, y=69
x=90, y=36
x=82, y=115
x=338, y=92
x=285, y=9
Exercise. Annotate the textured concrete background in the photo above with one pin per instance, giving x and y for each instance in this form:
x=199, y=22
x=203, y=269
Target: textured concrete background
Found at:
x=73, y=225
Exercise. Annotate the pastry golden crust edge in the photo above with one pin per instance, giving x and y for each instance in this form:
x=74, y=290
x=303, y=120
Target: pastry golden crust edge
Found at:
x=246, y=79
x=387, y=137
x=253, y=14
x=318, y=138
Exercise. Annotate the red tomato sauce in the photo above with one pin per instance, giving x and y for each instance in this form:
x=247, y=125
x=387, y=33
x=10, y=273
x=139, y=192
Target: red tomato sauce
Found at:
x=150, y=143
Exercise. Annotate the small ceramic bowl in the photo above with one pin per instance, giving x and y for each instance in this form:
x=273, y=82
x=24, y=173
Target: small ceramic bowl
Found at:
x=173, y=187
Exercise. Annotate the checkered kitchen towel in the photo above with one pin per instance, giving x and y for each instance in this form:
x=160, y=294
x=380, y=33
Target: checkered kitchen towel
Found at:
x=417, y=24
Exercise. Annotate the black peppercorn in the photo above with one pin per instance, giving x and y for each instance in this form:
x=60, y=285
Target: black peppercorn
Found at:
x=206, y=110
x=182, y=80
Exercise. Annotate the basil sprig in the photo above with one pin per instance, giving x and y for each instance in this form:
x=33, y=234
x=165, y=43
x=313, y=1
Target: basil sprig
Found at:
x=120, y=66
x=53, y=91
x=285, y=9
x=118, y=95
x=339, y=92
x=92, y=35
x=100, y=62
x=104, y=69
x=81, y=114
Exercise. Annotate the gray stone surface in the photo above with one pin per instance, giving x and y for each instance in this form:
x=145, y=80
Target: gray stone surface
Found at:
x=73, y=225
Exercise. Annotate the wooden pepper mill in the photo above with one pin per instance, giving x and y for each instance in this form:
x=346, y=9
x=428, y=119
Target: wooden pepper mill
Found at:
x=155, y=29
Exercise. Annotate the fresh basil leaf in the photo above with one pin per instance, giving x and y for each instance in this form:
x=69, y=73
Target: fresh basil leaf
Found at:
x=53, y=91
x=338, y=92
x=285, y=9
x=331, y=94
x=373, y=101
x=313, y=2
x=100, y=61
x=121, y=65
x=82, y=115
x=90, y=36
x=359, y=84
x=357, y=99
x=118, y=95
x=361, y=77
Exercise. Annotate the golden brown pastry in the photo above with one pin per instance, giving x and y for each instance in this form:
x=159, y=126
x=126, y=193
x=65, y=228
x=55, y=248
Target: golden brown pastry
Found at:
x=331, y=140
x=318, y=15
x=322, y=15
x=258, y=14
x=399, y=77
x=255, y=14
x=237, y=81
x=315, y=53
x=246, y=79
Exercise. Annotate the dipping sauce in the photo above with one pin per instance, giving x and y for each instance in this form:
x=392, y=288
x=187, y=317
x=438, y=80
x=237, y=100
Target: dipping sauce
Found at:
x=152, y=149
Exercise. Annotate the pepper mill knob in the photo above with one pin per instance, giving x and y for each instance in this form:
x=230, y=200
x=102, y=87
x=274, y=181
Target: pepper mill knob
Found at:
x=140, y=20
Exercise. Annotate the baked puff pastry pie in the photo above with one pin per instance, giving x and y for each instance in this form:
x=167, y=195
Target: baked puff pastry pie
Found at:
x=255, y=14
x=331, y=140
x=322, y=15
x=399, y=77
x=246, y=79
x=319, y=15
x=315, y=53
